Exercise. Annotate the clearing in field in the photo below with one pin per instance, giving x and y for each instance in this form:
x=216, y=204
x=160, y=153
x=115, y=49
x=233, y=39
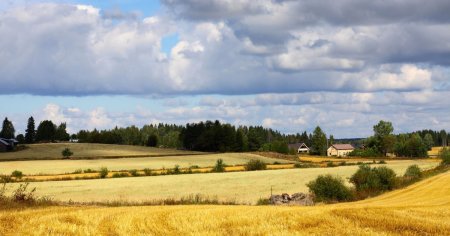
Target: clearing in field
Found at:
x=242, y=187
x=51, y=151
x=420, y=209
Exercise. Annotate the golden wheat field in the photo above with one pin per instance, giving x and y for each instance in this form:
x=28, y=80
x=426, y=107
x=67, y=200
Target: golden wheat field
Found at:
x=242, y=187
x=420, y=209
x=184, y=161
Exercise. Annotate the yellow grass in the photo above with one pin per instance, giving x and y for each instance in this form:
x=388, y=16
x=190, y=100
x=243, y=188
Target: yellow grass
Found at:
x=420, y=209
x=244, y=187
x=69, y=166
x=87, y=150
x=434, y=151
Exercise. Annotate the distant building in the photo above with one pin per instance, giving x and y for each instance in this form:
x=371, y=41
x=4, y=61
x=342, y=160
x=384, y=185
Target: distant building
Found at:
x=299, y=147
x=73, y=140
x=7, y=144
x=340, y=150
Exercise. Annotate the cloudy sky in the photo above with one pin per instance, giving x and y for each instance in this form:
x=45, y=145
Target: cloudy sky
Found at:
x=285, y=64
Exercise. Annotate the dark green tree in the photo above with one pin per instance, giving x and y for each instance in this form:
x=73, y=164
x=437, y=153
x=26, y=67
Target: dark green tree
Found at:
x=319, y=142
x=46, y=131
x=61, y=133
x=7, y=129
x=30, y=133
x=20, y=138
x=152, y=140
x=428, y=140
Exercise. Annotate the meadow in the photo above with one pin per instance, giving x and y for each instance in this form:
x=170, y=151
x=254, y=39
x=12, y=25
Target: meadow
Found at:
x=420, y=209
x=242, y=187
x=116, y=164
x=51, y=151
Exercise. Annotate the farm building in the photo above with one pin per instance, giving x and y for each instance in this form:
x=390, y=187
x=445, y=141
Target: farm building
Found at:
x=300, y=147
x=340, y=150
x=7, y=144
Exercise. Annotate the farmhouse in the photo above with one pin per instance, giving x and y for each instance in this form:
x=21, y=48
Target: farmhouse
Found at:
x=300, y=147
x=340, y=150
x=7, y=144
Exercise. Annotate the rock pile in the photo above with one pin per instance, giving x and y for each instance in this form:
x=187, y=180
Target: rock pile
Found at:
x=300, y=199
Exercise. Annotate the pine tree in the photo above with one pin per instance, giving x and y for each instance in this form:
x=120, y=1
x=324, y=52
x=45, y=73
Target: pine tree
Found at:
x=7, y=129
x=30, y=133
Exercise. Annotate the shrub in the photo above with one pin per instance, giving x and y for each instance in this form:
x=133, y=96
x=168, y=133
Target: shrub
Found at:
x=382, y=162
x=219, y=167
x=276, y=163
x=377, y=179
x=368, y=152
x=134, y=173
x=176, y=170
x=343, y=163
x=67, y=153
x=327, y=188
x=330, y=164
x=6, y=179
x=413, y=172
x=444, y=154
x=17, y=174
x=77, y=171
x=297, y=165
x=21, y=194
x=89, y=171
x=255, y=165
x=147, y=172
x=120, y=175
x=103, y=172
x=194, y=167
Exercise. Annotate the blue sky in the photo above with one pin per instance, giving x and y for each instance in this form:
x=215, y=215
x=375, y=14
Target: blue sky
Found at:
x=98, y=64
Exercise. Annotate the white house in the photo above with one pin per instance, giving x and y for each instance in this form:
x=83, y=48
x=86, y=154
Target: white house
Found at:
x=300, y=147
x=340, y=150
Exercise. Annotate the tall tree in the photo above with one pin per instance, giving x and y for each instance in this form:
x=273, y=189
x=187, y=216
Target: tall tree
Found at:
x=61, y=133
x=319, y=142
x=428, y=140
x=46, y=131
x=385, y=141
x=30, y=133
x=7, y=129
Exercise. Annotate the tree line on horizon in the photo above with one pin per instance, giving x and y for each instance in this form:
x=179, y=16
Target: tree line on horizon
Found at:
x=214, y=136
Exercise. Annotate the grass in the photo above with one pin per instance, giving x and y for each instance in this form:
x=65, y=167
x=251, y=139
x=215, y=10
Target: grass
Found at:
x=434, y=151
x=420, y=209
x=70, y=166
x=241, y=187
x=51, y=151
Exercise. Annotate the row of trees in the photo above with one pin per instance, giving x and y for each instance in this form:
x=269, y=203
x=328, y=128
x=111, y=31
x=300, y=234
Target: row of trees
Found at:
x=47, y=131
x=415, y=144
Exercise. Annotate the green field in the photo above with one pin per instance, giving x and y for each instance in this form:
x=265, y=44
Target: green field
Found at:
x=87, y=151
x=68, y=166
x=243, y=187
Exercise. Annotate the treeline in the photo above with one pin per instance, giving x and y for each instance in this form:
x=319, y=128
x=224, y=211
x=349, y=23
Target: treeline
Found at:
x=47, y=131
x=415, y=144
x=161, y=135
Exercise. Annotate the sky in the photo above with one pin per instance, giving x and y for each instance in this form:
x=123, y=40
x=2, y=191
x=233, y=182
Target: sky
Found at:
x=283, y=64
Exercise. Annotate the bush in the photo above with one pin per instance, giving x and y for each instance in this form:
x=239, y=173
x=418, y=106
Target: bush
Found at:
x=382, y=162
x=176, y=170
x=103, y=172
x=6, y=179
x=89, y=171
x=67, y=153
x=330, y=164
x=327, y=188
x=120, y=175
x=147, y=172
x=21, y=194
x=219, y=167
x=444, y=154
x=255, y=165
x=17, y=174
x=377, y=179
x=368, y=152
x=77, y=171
x=134, y=173
x=413, y=173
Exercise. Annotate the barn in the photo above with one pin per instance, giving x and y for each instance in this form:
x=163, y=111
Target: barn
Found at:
x=299, y=147
x=340, y=150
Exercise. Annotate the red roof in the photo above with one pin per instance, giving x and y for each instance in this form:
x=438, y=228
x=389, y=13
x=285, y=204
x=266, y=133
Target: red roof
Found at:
x=343, y=146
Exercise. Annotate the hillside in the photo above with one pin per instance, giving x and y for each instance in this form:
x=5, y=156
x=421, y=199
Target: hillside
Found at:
x=50, y=151
x=420, y=209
